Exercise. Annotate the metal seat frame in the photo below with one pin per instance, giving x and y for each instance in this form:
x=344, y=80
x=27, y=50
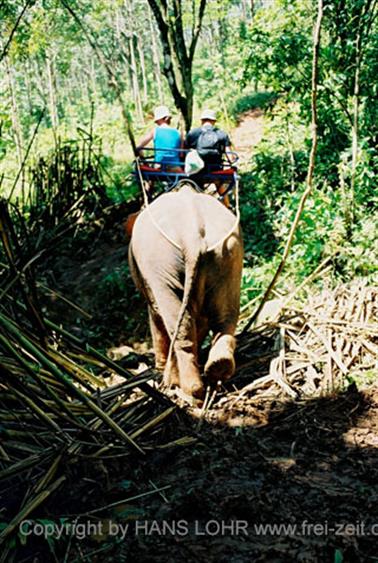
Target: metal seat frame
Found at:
x=151, y=171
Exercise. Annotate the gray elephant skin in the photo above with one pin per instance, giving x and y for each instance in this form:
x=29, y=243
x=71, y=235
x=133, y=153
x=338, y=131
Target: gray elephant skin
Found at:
x=185, y=256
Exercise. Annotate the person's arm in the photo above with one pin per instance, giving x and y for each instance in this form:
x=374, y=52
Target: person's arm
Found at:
x=191, y=139
x=187, y=141
x=228, y=150
x=144, y=142
x=181, y=154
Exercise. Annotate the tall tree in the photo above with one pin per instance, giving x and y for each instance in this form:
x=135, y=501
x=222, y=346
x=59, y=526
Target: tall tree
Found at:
x=179, y=45
x=132, y=43
x=155, y=58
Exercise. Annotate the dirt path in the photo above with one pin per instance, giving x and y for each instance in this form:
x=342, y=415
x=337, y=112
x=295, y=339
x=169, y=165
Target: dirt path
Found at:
x=248, y=134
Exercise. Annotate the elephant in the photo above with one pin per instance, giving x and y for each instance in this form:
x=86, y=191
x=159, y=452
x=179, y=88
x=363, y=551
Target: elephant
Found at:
x=185, y=256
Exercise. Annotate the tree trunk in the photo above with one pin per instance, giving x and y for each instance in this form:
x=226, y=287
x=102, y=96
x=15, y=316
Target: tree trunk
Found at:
x=93, y=79
x=156, y=59
x=16, y=127
x=244, y=9
x=135, y=81
x=52, y=92
x=39, y=81
x=133, y=64
x=142, y=68
x=113, y=82
x=178, y=51
x=29, y=86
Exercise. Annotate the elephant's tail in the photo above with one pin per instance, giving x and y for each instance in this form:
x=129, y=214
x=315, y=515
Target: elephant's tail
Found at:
x=192, y=257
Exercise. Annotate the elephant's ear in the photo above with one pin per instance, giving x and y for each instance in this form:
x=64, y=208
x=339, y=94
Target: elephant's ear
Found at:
x=129, y=223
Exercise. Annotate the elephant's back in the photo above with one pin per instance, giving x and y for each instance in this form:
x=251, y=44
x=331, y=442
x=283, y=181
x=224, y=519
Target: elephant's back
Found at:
x=185, y=213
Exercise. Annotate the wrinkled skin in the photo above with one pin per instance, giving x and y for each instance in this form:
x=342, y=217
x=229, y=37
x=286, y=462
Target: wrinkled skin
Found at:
x=187, y=269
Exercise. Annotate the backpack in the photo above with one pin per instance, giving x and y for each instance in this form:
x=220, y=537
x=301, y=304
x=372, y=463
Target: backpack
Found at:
x=208, y=142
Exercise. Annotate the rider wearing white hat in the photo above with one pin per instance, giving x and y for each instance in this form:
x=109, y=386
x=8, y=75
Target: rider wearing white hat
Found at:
x=208, y=115
x=167, y=140
x=211, y=144
x=161, y=113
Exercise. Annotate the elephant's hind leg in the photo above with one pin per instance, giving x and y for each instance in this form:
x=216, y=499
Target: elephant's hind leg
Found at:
x=161, y=342
x=190, y=378
x=220, y=364
x=187, y=358
x=168, y=307
x=223, y=318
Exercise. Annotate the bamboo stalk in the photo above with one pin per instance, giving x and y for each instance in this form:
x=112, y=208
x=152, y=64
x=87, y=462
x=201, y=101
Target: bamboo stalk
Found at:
x=24, y=464
x=124, y=501
x=77, y=372
x=41, y=414
x=63, y=298
x=62, y=377
x=30, y=506
x=33, y=372
x=49, y=475
x=4, y=454
x=152, y=423
x=112, y=365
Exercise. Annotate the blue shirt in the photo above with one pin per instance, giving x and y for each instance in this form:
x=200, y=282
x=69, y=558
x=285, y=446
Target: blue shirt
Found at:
x=167, y=138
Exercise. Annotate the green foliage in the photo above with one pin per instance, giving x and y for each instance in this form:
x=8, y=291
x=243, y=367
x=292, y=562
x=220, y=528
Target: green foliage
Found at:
x=340, y=217
x=362, y=378
x=257, y=220
x=251, y=101
x=318, y=226
x=277, y=167
x=121, y=186
x=114, y=285
x=255, y=278
x=278, y=50
x=358, y=255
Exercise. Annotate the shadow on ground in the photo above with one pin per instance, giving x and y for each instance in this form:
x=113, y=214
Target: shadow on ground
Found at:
x=310, y=468
x=299, y=484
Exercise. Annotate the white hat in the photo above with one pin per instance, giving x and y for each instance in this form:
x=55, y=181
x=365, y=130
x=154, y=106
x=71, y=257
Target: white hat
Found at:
x=161, y=112
x=209, y=114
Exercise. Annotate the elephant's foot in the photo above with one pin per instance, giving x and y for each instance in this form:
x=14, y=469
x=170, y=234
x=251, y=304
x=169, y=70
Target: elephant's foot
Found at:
x=191, y=384
x=221, y=363
x=171, y=375
x=190, y=378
